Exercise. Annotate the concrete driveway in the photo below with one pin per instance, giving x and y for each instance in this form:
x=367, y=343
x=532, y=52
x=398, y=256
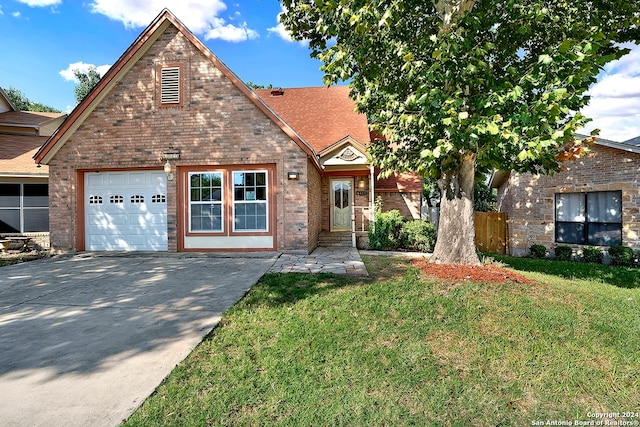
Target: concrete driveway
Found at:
x=85, y=339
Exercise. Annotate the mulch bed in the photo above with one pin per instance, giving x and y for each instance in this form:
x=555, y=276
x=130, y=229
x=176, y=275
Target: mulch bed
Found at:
x=471, y=273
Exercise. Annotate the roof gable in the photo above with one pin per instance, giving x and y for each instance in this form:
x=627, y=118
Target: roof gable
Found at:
x=124, y=64
x=5, y=102
x=347, y=152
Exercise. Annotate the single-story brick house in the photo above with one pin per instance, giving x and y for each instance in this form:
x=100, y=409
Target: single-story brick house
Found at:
x=595, y=201
x=24, y=206
x=171, y=151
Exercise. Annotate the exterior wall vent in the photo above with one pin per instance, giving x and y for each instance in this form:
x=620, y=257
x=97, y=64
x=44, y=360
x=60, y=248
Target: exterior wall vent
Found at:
x=170, y=85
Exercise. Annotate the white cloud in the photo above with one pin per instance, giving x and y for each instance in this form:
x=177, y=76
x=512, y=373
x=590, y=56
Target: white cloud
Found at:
x=40, y=3
x=200, y=16
x=68, y=75
x=1, y=12
x=280, y=31
x=16, y=14
x=615, y=99
x=228, y=32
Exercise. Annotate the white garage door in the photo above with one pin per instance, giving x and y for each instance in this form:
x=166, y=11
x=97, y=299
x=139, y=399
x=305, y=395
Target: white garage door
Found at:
x=125, y=211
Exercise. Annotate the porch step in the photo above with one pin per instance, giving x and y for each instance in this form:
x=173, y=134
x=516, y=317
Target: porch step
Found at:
x=334, y=239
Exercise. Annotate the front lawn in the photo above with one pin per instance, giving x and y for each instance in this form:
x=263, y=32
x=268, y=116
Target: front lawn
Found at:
x=405, y=349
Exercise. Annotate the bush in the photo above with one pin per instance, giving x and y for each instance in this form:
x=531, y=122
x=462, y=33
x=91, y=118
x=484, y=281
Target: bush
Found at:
x=564, y=253
x=621, y=256
x=418, y=235
x=538, y=251
x=592, y=255
x=385, y=233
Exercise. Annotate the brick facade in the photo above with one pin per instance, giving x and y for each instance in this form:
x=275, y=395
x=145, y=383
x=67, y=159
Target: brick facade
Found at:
x=529, y=200
x=217, y=124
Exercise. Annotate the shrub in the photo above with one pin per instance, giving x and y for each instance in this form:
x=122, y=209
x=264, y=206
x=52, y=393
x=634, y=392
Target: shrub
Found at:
x=564, y=253
x=538, y=251
x=621, y=256
x=385, y=233
x=592, y=255
x=418, y=235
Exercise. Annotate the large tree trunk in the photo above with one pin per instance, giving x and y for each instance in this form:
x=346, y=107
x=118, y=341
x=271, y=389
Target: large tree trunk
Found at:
x=456, y=230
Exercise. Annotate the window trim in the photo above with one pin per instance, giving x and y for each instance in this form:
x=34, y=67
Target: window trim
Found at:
x=181, y=85
x=22, y=208
x=227, y=209
x=223, y=197
x=234, y=202
x=586, y=222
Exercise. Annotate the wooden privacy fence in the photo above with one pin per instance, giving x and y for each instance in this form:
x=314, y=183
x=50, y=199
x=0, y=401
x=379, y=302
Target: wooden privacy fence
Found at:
x=491, y=232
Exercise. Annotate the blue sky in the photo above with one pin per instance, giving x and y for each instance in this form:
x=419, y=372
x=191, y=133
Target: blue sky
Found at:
x=42, y=41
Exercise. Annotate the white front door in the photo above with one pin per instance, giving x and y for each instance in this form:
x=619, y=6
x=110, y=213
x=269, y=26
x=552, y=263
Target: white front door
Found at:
x=125, y=211
x=341, y=204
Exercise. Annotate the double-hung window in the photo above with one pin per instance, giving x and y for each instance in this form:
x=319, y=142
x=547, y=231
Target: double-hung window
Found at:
x=205, y=202
x=589, y=218
x=250, y=207
x=24, y=208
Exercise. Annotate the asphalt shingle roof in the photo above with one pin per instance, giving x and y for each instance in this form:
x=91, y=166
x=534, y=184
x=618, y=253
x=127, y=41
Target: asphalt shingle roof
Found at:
x=322, y=115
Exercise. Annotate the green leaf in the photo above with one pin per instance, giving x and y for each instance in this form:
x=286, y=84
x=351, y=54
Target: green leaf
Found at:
x=493, y=128
x=565, y=46
x=545, y=59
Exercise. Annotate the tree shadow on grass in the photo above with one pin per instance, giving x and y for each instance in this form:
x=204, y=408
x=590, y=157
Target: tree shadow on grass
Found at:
x=277, y=289
x=622, y=277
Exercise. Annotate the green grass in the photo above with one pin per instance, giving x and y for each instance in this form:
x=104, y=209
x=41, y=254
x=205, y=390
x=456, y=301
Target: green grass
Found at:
x=405, y=349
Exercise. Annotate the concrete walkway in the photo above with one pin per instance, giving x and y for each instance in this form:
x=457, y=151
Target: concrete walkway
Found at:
x=322, y=260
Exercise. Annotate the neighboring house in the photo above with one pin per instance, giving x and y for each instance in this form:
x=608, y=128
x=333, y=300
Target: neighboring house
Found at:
x=171, y=151
x=595, y=201
x=24, y=205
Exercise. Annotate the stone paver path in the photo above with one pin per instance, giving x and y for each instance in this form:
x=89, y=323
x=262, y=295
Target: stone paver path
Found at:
x=322, y=260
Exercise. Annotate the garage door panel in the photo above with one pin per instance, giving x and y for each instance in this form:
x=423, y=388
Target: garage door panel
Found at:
x=126, y=211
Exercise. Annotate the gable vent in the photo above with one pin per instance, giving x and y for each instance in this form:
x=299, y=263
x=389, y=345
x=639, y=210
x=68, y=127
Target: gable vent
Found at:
x=170, y=85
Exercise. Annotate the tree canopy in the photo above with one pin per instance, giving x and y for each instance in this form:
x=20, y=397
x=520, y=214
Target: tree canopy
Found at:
x=22, y=103
x=457, y=86
x=86, y=81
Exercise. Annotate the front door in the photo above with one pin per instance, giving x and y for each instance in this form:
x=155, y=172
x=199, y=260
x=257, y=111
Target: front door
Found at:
x=341, y=204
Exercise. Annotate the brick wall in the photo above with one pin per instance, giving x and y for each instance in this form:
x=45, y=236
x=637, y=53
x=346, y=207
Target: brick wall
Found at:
x=217, y=125
x=529, y=199
x=314, y=204
x=407, y=203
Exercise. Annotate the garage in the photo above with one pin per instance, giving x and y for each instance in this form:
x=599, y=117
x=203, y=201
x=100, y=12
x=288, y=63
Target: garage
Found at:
x=125, y=211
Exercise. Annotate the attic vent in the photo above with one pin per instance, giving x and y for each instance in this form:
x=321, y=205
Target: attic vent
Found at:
x=170, y=85
x=277, y=91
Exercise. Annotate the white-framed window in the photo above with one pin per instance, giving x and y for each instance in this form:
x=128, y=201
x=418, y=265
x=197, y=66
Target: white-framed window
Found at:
x=24, y=208
x=205, y=202
x=589, y=218
x=250, y=201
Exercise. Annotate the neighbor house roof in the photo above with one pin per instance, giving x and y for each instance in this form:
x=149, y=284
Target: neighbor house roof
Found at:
x=633, y=141
x=139, y=47
x=321, y=115
x=27, y=119
x=16, y=155
x=499, y=177
x=22, y=133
